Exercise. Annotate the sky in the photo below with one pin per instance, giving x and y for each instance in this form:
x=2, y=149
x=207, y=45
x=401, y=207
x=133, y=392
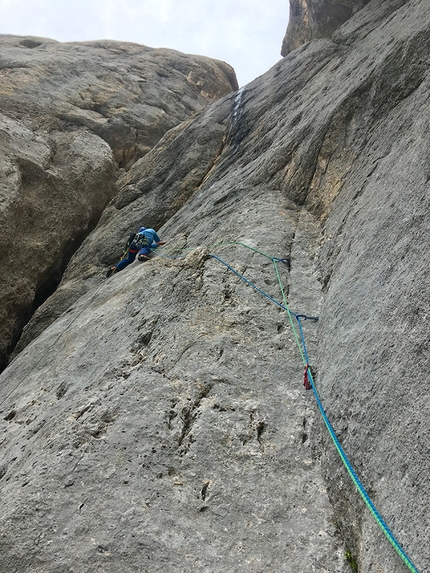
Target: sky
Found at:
x=247, y=34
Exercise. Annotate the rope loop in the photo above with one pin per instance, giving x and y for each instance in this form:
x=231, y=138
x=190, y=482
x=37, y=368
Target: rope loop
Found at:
x=299, y=316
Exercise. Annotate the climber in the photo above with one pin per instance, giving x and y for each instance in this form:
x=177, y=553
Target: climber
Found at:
x=142, y=242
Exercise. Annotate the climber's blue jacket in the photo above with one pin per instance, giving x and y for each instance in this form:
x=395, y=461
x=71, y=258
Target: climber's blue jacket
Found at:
x=145, y=238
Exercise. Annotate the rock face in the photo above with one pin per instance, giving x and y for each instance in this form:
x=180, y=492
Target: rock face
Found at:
x=159, y=422
x=314, y=19
x=127, y=94
x=70, y=116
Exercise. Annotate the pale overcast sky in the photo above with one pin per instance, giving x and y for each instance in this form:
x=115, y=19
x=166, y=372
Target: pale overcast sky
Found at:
x=247, y=34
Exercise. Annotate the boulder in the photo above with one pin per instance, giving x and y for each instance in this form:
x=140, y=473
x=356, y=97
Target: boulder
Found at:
x=73, y=116
x=127, y=94
x=53, y=190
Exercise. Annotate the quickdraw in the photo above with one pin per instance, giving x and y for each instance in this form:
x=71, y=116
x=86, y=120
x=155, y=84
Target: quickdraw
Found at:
x=306, y=382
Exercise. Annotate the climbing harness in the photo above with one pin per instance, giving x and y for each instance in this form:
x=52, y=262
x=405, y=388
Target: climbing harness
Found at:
x=128, y=245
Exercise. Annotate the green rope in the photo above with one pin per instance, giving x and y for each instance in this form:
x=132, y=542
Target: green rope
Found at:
x=303, y=353
x=254, y=250
x=223, y=244
x=284, y=298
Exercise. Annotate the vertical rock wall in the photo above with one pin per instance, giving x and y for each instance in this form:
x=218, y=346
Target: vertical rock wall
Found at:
x=314, y=19
x=160, y=421
x=72, y=116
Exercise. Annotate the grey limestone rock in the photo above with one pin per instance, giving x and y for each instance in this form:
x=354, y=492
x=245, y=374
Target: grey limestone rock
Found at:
x=315, y=19
x=72, y=117
x=158, y=421
x=53, y=190
x=128, y=94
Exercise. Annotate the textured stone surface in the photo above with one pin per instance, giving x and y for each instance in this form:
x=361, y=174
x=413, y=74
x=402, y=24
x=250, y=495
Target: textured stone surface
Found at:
x=70, y=116
x=53, y=190
x=160, y=423
x=128, y=94
x=314, y=19
x=175, y=433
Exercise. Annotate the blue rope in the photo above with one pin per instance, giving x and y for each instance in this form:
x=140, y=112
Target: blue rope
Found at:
x=259, y=289
x=356, y=480
x=305, y=352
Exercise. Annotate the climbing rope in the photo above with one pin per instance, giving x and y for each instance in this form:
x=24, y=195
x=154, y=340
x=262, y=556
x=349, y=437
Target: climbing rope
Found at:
x=310, y=384
x=301, y=345
x=356, y=480
x=358, y=484
x=258, y=289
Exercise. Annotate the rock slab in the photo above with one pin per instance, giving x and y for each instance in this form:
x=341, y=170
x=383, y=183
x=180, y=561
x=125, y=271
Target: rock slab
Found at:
x=73, y=116
x=160, y=422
